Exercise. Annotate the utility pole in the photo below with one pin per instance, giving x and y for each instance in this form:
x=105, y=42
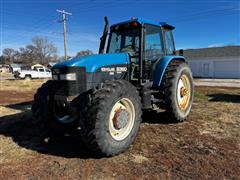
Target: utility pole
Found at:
x=64, y=19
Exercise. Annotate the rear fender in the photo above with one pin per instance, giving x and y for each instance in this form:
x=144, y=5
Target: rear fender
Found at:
x=161, y=67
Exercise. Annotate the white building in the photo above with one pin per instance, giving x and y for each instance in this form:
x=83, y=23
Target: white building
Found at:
x=217, y=62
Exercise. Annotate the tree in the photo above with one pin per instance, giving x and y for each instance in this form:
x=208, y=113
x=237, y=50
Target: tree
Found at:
x=42, y=49
x=2, y=60
x=9, y=55
x=27, y=55
x=84, y=53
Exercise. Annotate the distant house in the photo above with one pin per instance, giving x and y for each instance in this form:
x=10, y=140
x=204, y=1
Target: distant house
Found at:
x=4, y=68
x=217, y=62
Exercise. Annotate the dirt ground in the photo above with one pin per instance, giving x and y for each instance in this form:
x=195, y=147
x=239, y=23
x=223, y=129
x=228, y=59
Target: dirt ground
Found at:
x=205, y=146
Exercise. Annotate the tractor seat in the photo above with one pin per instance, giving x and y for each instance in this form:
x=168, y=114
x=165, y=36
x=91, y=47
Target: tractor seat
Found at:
x=132, y=55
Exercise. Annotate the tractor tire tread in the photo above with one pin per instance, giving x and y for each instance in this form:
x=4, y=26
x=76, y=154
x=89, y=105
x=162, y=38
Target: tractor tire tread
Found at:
x=91, y=134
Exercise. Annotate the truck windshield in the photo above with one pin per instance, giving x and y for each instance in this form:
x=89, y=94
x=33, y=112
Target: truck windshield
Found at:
x=124, y=39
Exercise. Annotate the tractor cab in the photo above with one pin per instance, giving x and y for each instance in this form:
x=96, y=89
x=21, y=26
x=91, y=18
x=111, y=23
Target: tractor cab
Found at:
x=145, y=41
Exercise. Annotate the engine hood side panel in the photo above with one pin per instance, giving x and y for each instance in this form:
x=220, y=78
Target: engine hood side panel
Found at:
x=94, y=62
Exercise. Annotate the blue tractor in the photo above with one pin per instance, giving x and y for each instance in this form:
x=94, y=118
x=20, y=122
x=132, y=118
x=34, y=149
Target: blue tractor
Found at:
x=102, y=96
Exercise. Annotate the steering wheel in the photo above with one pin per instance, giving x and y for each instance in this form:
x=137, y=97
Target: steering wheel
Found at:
x=133, y=47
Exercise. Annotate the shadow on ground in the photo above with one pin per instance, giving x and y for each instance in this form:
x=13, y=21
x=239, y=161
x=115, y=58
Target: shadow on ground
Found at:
x=156, y=117
x=24, y=106
x=20, y=128
x=23, y=132
x=222, y=97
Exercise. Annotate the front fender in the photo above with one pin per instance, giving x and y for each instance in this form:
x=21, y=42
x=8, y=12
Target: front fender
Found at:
x=161, y=67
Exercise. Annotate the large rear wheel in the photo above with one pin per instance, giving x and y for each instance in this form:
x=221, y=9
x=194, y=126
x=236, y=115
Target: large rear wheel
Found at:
x=178, y=90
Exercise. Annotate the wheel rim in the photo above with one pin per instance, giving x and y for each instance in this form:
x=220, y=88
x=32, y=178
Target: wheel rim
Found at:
x=183, y=92
x=121, y=119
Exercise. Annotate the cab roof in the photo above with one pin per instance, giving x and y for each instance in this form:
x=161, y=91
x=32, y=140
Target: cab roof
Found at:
x=145, y=21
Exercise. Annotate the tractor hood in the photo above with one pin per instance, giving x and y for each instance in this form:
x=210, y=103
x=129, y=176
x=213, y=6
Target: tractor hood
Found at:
x=94, y=62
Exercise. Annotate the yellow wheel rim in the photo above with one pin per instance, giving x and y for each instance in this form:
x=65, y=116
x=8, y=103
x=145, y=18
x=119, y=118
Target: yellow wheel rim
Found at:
x=183, y=92
x=121, y=119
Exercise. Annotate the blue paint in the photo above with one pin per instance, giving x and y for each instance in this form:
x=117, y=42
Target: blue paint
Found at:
x=161, y=67
x=144, y=21
x=94, y=62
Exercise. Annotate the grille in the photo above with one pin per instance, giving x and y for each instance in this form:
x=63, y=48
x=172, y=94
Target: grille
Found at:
x=70, y=88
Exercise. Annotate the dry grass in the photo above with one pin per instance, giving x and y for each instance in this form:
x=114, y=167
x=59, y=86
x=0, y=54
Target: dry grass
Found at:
x=220, y=111
x=11, y=152
x=4, y=111
x=17, y=91
x=5, y=75
x=206, y=146
x=138, y=158
x=20, y=85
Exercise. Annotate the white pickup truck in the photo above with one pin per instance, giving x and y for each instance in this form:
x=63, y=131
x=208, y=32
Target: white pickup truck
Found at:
x=32, y=74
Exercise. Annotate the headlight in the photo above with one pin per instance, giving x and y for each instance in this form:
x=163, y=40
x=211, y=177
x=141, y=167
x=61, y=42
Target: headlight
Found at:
x=70, y=76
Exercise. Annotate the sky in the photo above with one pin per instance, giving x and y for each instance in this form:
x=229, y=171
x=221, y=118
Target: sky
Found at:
x=199, y=24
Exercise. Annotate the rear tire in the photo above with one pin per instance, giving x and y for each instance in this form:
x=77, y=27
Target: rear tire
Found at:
x=110, y=118
x=178, y=90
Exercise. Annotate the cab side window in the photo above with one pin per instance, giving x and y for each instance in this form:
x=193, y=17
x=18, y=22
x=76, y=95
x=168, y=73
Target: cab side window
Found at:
x=169, y=42
x=153, y=43
x=154, y=49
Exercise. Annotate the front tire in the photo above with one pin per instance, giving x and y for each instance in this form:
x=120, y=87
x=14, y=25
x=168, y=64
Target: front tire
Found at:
x=112, y=117
x=41, y=108
x=44, y=118
x=178, y=90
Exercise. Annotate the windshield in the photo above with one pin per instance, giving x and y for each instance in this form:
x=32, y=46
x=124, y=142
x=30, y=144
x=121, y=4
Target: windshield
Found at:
x=124, y=39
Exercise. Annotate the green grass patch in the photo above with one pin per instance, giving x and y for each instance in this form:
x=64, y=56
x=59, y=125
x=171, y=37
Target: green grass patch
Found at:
x=200, y=95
